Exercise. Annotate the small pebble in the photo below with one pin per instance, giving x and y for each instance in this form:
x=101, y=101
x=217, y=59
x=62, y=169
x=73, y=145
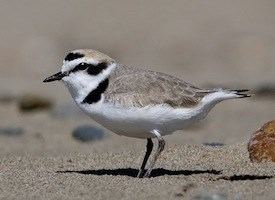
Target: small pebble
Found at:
x=179, y=195
x=261, y=146
x=28, y=103
x=88, y=133
x=213, y=144
x=188, y=187
x=11, y=131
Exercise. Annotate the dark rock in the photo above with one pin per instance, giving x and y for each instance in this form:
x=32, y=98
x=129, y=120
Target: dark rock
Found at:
x=261, y=146
x=266, y=90
x=185, y=189
x=11, y=131
x=210, y=196
x=179, y=195
x=188, y=187
x=28, y=103
x=88, y=133
x=213, y=144
x=7, y=98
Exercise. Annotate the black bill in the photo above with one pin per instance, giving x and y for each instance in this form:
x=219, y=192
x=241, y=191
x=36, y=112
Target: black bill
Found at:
x=56, y=77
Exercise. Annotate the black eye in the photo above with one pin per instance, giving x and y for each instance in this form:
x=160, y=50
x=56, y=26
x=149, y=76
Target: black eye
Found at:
x=81, y=66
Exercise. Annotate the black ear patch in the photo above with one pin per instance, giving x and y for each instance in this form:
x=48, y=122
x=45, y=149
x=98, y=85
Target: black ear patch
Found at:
x=73, y=56
x=95, y=70
x=95, y=95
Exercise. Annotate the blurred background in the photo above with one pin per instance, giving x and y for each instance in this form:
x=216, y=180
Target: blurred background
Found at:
x=209, y=43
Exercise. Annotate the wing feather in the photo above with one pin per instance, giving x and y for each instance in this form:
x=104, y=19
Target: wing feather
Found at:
x=133, y=87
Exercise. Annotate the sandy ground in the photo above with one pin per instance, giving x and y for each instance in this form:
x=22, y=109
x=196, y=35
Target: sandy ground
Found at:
x=209, y=43
x=46, y=162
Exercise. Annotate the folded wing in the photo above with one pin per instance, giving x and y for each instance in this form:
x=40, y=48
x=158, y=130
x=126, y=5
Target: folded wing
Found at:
x=132, y=87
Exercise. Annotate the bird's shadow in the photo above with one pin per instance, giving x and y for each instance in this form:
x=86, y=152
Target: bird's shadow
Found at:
x=134, y=172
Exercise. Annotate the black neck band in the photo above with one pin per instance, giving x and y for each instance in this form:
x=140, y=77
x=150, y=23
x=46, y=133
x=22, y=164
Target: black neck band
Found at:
x=95, y=95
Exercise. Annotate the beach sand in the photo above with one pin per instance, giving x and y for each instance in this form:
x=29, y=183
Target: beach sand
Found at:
x=46, y=162
x=208, y=43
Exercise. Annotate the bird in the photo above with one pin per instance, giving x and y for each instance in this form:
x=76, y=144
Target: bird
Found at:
x=136, y=102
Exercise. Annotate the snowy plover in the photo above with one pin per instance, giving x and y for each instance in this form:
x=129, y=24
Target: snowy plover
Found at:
x=135, y=102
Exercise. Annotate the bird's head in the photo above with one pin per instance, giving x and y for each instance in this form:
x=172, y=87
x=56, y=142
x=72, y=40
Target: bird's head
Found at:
x=83, y=70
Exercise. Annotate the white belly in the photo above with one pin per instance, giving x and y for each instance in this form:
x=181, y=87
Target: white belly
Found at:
x=139, y=122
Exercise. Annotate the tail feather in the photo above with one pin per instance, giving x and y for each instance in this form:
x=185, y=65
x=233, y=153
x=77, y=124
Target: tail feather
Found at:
x=243, y=93
x=218, y=95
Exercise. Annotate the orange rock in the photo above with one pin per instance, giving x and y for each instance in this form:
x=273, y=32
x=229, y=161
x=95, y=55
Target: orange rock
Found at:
x=261, y=146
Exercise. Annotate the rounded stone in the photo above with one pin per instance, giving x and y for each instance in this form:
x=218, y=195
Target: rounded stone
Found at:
x=261, y=146
x=86, y=133
x=11, y=131
x=31, y=102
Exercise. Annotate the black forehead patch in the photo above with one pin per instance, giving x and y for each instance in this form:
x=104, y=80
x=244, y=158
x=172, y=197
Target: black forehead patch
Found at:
x=72, y=56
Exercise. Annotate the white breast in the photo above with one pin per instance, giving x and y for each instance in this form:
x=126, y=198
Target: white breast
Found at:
x=139, y=122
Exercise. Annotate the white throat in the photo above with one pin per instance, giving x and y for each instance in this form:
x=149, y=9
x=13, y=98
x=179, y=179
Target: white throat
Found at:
x=81, y=84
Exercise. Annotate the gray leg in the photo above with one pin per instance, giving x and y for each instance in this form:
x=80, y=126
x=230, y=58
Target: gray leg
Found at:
x=149, y=148
x=161, y=144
